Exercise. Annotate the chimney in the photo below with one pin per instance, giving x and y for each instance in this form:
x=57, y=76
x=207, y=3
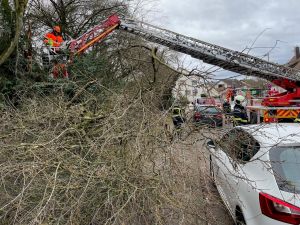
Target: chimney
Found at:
x=297, y=52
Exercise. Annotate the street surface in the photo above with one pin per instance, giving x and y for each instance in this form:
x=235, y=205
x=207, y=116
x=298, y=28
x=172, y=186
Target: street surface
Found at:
x=201, y=195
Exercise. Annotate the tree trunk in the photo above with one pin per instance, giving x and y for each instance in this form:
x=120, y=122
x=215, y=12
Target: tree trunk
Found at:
x=20, y=6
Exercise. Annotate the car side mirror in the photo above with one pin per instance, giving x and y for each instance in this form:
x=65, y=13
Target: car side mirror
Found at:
x=210, y=143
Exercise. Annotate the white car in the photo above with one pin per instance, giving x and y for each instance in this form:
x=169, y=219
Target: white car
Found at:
x=256, y=170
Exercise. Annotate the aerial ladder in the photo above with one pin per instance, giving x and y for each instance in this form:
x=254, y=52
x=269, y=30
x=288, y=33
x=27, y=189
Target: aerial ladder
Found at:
x=235, y=61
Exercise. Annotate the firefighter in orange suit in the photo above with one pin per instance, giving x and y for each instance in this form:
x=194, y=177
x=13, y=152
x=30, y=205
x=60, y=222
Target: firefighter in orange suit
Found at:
x=54, y=41
x=54, y=38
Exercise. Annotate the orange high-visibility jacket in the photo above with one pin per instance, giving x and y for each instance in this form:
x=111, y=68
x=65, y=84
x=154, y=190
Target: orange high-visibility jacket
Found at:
x=52, y=40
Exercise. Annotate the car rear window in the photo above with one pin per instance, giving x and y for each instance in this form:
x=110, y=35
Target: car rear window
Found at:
x=239, y=145
x=285, y=163
x=206, y=109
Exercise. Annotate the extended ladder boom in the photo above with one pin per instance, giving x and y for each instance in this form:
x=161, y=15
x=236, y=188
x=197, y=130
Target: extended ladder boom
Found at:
x=94, y=35
x=216, y=55
x=234, y=61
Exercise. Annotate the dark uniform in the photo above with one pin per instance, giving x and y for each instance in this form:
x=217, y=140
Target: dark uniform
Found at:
x=239, y=114
x=177, y=117
x=226, y=107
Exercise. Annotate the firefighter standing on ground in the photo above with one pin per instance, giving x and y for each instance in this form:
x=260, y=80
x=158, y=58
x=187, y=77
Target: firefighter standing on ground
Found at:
x=54, y=41
x=226, y=107
x=239, y=113
x=177, y=117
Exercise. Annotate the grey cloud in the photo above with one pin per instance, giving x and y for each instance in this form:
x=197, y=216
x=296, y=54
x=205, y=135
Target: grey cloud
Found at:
x=236, y=24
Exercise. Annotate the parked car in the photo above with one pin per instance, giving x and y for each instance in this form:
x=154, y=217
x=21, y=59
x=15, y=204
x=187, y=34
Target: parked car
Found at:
x=256, y=170
x=218, y=103
x=209, y=115
x=205, y=101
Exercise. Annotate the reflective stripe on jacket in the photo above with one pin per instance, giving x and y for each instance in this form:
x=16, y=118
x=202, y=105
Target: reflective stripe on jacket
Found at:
x=240, y=119
x=176, y=112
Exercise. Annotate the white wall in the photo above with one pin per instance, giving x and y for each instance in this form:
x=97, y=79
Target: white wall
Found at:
x=192, y=87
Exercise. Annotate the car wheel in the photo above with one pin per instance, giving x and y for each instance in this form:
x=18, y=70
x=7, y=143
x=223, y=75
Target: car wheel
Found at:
x=240, y=220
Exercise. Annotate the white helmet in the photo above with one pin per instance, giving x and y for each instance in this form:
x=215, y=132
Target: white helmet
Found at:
x=240, y=98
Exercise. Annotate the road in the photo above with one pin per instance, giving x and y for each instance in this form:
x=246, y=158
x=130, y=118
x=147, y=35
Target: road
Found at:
x=201, y=195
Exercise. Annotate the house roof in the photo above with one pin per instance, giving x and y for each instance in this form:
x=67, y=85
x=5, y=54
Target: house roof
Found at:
x=256, y=83
x=246, y=83
x=295, y=60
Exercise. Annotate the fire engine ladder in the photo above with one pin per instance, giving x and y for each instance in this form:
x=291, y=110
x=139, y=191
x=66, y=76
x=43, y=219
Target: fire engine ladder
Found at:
x=94, y=35
x=212, y=54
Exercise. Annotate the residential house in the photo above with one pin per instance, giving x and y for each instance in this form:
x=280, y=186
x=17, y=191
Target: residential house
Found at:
x=295, y=60
x=192, y=87
x=258, y=88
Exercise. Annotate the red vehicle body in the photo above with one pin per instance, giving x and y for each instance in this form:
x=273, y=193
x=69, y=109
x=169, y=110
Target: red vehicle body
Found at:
x=288, y=98
x=205, y=101
x=209, y=115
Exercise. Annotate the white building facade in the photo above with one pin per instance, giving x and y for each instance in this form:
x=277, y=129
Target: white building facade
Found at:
x=192, y=87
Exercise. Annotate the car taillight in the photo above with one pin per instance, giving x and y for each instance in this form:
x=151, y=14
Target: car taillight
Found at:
x=278, y=209
x=271, y=120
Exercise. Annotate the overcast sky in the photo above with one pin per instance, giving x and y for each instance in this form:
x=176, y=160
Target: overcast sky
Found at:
x=235, y=24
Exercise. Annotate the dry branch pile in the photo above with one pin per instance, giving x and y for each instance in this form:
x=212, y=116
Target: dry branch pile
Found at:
x=93, y=162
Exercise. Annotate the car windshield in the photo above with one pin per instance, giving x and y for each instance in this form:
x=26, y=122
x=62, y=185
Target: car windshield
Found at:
x=206, y=109
x=285, y=161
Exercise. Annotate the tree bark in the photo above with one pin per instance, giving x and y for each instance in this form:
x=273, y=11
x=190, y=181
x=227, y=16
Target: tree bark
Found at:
x=20, y=6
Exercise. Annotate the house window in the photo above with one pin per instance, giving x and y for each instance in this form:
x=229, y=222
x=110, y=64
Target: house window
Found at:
x=220, y=85
x=194, y=82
